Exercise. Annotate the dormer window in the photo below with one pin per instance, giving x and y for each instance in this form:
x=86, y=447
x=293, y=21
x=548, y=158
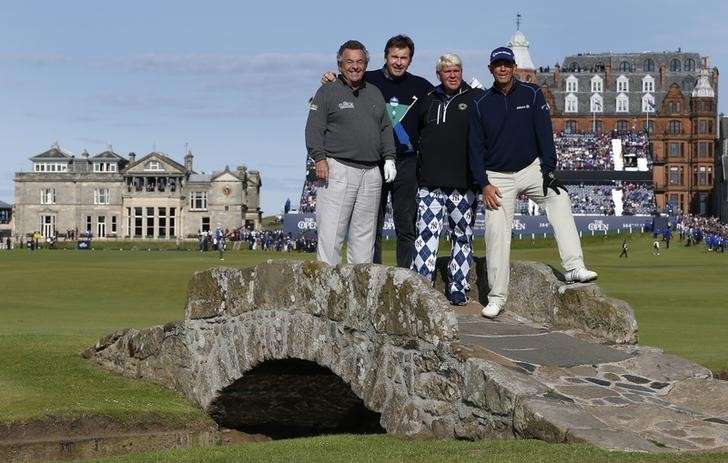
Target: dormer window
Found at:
x=648, y=84
x=572, y=84
x=597, y=84
x=622, y=84
x=105, y=167
x=571, y=104
x=50, y=167
x=153, y=166
x=622, y=103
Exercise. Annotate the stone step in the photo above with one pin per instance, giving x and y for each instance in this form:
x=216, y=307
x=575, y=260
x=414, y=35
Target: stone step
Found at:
x=623, y=397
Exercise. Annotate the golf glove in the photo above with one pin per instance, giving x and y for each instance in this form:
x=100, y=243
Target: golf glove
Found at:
x=549, y=181
x=390, y=171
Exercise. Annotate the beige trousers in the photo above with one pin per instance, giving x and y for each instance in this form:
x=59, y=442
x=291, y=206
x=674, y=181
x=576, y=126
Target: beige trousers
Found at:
x=346, y=209
x=499, y=223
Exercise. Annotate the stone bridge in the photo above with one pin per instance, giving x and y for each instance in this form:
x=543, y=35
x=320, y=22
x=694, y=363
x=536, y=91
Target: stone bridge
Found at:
x=296, y=348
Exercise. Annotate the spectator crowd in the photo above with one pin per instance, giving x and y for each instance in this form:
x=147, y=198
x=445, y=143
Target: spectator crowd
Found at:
x=710, y=231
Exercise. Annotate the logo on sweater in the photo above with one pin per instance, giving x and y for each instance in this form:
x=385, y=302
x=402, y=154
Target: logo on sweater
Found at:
x=346, y=105
x=462, y=106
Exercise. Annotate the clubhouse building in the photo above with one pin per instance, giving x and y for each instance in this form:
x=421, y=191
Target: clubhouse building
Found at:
x=110, y=196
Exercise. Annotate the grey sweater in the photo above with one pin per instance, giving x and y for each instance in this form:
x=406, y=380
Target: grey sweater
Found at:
x=349, y=125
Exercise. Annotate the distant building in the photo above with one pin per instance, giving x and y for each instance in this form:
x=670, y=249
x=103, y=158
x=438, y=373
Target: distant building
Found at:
x=110, y=196
x=6, y=217
x=672, y=95
x=721, y=177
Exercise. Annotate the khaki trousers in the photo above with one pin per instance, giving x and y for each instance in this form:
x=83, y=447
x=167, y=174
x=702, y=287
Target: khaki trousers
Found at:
x=346, y=209
x=499, y=223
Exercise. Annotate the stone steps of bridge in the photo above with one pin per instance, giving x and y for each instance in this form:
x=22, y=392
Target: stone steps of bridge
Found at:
x=624, y=397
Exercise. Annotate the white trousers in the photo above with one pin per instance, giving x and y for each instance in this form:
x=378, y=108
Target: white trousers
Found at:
x=499, y=223
x=346, y=209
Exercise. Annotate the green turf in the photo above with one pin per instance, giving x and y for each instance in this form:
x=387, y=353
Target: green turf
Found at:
x=54, y=304
x=347, y=448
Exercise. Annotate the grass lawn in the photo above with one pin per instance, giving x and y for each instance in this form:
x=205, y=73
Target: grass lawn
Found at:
x=54, y=304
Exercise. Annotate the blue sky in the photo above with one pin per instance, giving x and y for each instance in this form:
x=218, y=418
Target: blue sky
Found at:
x=232, y=78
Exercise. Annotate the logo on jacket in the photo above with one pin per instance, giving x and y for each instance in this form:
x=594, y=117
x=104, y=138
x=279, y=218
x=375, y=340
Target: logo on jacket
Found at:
x=346, y=105
x=523, y=107
x=462, y=106
x=394, y=101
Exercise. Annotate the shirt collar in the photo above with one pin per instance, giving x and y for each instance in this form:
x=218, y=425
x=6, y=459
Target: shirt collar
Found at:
x=343, y=82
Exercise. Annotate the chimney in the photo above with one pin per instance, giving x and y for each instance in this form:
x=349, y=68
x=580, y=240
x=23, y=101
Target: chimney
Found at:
x=557, y=77
x=663, y=77
x=188, y=161
x=132, y=157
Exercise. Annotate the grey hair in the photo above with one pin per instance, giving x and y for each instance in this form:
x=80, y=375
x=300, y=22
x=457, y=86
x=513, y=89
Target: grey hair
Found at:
x=448, y=59
x=351, y=45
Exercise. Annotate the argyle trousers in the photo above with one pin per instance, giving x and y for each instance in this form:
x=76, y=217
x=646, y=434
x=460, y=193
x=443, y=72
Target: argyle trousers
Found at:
x=459, y=207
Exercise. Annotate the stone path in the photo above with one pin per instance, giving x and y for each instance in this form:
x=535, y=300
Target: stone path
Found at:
x=628, y=397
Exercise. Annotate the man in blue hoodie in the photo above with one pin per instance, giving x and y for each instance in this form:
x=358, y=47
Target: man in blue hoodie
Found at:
x=512, y=152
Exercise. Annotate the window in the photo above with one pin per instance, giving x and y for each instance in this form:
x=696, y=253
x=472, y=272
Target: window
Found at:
x=624, y=66
x=570, y=127
x=675, y=65
x=689, y=65
x=198, y=200
x=702, y=149
x=153, y=166
x=172, y=217
x=150, y=222
x=205, y=224
x=50, y=167
x=101, y=196
x=113, y=225
x=596, y=103
x=674, y=149
x=88, y=224
x=571, y=104
x=649, y=127
x=162, y=222
x=648, y=103
x=622, y=84
x=688, y=84
x=598, y=126
x=101, y=226
x=104, y=167
x=622, y=103
x=674, y=127
x=621, y=126
x=648, y=84
x=138, y=222
x=648, y=65
x=673, y=107
x=597, y=84
x=48, y=196
x=704, y=126
x=572, y=84
x=674, y=176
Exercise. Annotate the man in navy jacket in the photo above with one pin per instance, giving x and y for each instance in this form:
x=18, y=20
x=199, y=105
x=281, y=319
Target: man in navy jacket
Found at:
x=512, y=152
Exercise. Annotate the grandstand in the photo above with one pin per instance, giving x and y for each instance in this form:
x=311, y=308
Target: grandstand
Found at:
x=606, y=175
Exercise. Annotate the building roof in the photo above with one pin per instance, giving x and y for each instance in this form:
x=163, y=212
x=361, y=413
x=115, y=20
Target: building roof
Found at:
x=56, y=153
x=108, y=155
x=4, y=205
x=519, y=45
x=703, y=88
x=158, y=154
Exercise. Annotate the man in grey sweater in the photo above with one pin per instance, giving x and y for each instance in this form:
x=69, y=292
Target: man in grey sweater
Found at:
x=347, y=134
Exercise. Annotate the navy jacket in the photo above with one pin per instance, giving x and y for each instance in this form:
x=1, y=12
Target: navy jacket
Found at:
x=508, y=132
x=443, y=138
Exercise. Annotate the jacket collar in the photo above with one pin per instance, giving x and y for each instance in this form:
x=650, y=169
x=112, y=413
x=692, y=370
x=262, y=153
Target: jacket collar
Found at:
x=439, y=91
x=516, y=84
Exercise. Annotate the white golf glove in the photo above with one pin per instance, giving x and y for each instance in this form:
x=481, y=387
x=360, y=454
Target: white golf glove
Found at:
x=390, y=171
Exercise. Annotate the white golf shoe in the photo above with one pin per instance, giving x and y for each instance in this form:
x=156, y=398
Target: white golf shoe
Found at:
x=491, y=310
x=580, y=275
